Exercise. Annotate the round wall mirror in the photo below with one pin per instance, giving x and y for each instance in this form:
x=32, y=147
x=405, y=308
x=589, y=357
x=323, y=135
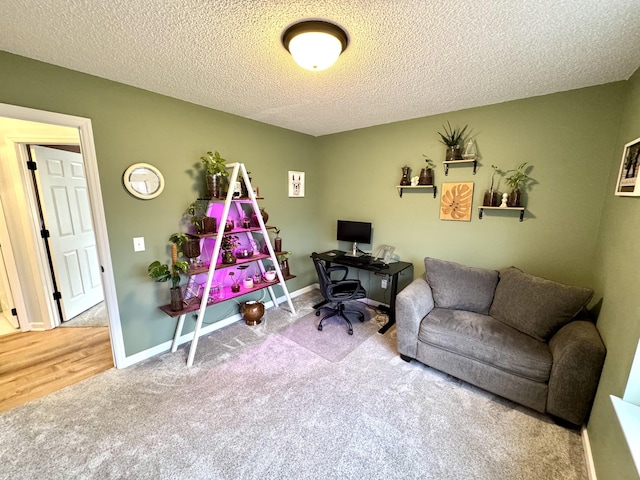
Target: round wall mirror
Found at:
x=143, y=181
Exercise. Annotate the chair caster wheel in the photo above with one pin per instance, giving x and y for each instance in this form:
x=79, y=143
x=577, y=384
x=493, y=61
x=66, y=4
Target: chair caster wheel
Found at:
x=362, y=320
x=350, y=332
x=317, y=313
x=320, y=327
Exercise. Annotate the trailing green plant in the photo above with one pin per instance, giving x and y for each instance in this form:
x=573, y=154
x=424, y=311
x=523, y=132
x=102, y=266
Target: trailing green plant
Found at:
x=430, y=163
x=282, y=256
x=229, y=242
x=197, y=211
x=179, y=239
x=214, y=164
x=161, y=272
x=518, y=177
x=452, y=136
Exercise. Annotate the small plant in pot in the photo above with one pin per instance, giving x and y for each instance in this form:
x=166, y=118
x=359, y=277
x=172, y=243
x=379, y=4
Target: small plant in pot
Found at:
x=198, y=213
x=516, y=181
x=283, y=261
x=277, y=241
x=187, y=246
x=453, y=138
x=216, y=169
x=163, y=273
x=228, y=245
x=426, y=174
x=491, y=196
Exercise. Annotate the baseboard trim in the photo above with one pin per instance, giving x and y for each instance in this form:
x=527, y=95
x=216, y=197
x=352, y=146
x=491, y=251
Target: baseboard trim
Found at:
x=586, y=444
x=166, y=346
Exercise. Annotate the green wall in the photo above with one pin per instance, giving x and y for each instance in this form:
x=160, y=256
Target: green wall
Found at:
x=132, y=125
x=573, y=140
x=567, y=137
x=618, y=278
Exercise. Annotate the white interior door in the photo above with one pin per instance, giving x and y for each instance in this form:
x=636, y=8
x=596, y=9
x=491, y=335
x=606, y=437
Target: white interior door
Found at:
x=67, y=212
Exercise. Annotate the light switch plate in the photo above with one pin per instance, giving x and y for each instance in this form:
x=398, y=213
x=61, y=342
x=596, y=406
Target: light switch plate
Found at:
x=138, y=244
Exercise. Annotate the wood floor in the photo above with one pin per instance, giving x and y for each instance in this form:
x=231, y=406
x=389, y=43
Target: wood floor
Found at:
x=34, y=364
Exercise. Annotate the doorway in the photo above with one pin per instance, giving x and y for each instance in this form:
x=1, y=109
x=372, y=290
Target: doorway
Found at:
x=16, y=195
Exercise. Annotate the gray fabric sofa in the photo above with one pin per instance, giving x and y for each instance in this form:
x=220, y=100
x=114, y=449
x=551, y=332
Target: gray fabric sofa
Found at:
x=522, y=337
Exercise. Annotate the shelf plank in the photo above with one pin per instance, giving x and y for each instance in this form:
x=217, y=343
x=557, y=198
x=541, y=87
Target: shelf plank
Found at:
x=230, y=232
x=502, y=208
x=227, y=295
x=221, y=266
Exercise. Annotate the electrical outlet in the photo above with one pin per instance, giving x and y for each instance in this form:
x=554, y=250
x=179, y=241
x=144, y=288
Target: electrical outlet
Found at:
x=138, y=244
x=384, y=283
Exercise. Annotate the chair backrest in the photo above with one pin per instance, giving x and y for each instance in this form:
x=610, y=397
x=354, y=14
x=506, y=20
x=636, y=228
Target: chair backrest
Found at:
x=323, y=276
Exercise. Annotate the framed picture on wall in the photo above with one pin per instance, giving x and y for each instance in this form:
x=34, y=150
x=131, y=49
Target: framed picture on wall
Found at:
x=456, y=200
x=628, y=185
x=296, y=184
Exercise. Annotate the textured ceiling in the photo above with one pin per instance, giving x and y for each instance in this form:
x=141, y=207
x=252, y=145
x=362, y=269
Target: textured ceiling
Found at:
x=406, y=58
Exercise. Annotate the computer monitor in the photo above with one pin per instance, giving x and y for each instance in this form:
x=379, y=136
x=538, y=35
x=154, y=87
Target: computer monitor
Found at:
x=356, y=232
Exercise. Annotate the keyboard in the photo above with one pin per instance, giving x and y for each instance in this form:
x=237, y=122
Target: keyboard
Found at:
x=355, y=261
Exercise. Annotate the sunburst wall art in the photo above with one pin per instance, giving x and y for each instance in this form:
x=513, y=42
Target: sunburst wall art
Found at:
x=456, y=200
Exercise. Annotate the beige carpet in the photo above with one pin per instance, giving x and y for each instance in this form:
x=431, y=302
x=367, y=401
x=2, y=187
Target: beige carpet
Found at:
x=96, y=316
x=257, y=405
x=333, y=343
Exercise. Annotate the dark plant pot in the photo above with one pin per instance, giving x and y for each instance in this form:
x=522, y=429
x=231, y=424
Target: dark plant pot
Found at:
x=214, y=186
x=228, y=258
x=177, y=302
x=265, y=217
x=228, y=226
x=491, y=199
x=404, y=181
x=277, y=244
x=284, y=268
x=252, y=312
x=426, y=177
x=514, y=199
x=454, y=153
x=191, y=248
x=210, y=225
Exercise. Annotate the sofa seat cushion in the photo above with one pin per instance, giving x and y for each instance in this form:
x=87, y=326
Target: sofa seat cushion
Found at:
x=536, y=306
x=485, y=339
x=459, y=287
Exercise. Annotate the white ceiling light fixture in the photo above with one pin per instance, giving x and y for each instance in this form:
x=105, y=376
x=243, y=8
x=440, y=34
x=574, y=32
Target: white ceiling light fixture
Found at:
x=315, y=44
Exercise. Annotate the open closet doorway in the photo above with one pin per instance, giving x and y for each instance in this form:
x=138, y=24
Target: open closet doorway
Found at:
x=18, y=193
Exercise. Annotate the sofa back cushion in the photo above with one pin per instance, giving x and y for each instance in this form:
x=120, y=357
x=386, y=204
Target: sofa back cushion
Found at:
x=534, y=305
x=459, y=287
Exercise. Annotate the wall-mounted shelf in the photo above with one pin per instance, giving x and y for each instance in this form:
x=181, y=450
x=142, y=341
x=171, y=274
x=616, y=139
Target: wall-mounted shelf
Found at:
x=417, y=187
x=468, y=160
x=481, y=210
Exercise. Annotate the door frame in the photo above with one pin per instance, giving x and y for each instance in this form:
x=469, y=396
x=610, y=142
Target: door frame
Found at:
x=87, y=145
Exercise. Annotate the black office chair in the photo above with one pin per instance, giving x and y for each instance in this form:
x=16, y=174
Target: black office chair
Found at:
x=337, y=292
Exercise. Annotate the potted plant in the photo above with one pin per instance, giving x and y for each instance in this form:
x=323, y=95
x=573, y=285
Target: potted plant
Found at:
x=187, y=246
x=516, y=181
x=283, y=260
x=215, y=167
x=228, y=244
x=198, y=213
x=277, y=242
x=426, y=174
x=453, y=139
x=491, y=195
x=162, y=273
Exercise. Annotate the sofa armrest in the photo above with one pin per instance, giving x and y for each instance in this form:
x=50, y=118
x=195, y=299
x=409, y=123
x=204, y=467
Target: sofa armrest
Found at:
x=412, y=305
x=578, y=356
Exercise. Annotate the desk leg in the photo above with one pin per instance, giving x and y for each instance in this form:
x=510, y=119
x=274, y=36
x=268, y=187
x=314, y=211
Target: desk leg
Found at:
x=392, y=305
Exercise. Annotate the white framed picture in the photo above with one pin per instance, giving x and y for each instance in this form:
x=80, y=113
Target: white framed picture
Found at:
x=296, y=183
x=628, y=185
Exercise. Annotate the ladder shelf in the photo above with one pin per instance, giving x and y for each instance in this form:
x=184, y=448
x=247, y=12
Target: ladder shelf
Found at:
x=257, y=258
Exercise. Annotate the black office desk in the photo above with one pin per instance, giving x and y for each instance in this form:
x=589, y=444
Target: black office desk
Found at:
x=393, y=271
